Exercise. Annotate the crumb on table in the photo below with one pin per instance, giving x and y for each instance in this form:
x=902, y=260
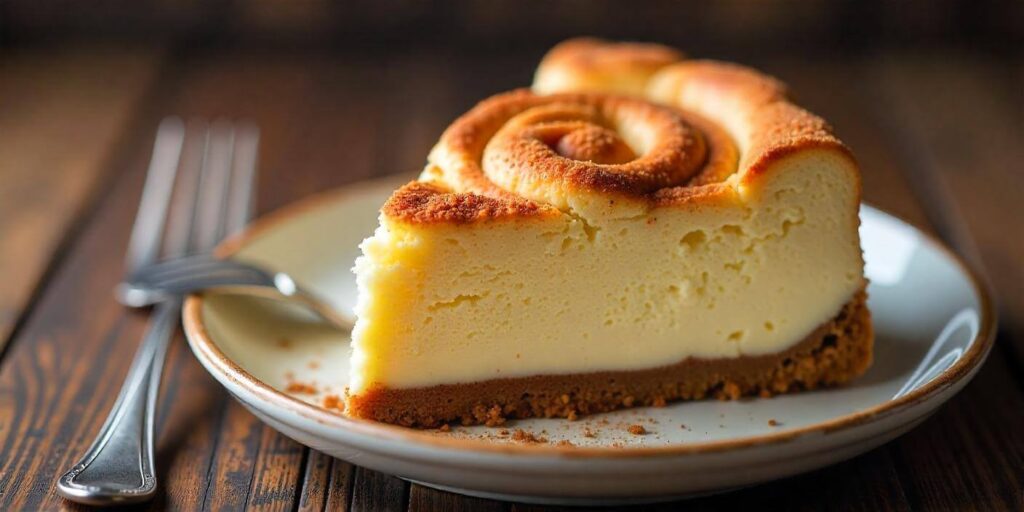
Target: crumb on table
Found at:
x=773, y=422
x=637, y=429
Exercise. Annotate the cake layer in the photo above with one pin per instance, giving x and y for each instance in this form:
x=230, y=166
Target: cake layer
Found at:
x=742, y=270
x=833, y=353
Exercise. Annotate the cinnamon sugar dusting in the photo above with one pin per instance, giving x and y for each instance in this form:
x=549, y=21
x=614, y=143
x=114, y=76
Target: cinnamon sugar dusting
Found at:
x=424, y=203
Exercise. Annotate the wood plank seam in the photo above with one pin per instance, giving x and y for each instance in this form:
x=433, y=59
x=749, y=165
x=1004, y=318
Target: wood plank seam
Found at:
x=303, y=462
x=347, y=485
x=211, y=461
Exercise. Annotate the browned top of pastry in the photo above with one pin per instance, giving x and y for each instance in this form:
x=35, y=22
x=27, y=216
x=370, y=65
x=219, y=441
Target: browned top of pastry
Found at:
x=697, y=124
x=420, y=202
x=594, y=64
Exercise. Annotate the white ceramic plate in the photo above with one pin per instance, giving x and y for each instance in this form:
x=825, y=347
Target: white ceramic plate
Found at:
x=934, y=329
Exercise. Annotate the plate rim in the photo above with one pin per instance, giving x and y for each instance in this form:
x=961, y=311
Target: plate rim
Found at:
x=217, y=363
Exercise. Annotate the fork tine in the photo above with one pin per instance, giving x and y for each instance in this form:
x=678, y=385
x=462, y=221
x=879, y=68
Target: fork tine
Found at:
x=208, y=223
x=144, y=243
x=243, y=177
x=187, y=187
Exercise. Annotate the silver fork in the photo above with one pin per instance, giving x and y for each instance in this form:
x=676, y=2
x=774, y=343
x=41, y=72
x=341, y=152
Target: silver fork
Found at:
x=210, y=176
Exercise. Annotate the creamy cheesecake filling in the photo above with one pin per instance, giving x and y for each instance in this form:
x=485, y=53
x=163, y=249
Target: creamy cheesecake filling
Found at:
x=749, y=271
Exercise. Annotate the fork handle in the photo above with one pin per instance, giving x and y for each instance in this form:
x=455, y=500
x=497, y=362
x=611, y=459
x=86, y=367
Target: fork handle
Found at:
x=118, y=467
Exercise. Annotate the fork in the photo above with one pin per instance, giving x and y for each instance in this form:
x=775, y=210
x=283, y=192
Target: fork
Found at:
x=209, y=173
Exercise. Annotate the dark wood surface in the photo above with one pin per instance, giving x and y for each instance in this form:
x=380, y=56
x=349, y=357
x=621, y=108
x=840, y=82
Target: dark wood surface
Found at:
x=940, y=137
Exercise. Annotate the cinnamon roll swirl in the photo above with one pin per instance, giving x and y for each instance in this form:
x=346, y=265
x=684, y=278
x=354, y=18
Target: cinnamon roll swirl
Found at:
x=699, y=124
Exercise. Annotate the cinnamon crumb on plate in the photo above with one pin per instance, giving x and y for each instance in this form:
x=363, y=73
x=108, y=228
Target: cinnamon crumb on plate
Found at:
x=637, y=429
x=301, y=388
x=527, y=437
x=333, y=402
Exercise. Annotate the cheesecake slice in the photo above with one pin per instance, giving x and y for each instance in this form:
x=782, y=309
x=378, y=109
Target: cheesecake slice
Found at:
x=635, y=229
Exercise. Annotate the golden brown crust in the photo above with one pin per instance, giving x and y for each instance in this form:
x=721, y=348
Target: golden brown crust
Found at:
x=701, y=122
x=522, y=140
x=755, y=106
x=833, y=354
x=741, y=84
x=594, y=63
x=598, y=55
x=420, y=203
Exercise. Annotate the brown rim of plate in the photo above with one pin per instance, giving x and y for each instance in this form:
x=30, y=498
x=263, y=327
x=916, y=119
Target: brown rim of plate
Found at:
x=204, y=347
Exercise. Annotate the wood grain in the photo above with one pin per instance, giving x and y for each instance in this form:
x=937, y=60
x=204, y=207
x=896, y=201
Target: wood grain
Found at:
x=59, y=124
x=375, y=491
x=425, y=499
x=62, y=372
x=315, y=483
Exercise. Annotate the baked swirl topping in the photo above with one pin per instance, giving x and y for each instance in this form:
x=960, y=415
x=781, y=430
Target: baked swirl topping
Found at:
x=547, y=148
x=697, y=125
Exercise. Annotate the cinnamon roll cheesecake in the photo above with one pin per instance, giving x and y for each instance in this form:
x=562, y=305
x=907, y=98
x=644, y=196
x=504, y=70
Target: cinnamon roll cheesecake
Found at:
x=634, y=229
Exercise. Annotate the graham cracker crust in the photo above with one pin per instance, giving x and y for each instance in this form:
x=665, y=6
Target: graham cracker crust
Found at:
x=834, y=353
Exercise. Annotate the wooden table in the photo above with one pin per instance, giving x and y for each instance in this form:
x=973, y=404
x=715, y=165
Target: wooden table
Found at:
x=940, y=137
